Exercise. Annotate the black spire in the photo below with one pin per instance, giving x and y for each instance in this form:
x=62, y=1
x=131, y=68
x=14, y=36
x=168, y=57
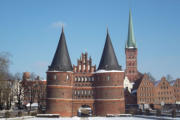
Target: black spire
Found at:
x=61, y=60
x=108, y=59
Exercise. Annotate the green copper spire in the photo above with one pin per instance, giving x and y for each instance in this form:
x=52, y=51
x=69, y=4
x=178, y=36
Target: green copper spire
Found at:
x=131, y=43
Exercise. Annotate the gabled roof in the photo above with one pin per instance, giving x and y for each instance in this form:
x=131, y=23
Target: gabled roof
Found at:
x=131, y=43
x=108, y=59
x=61, y=60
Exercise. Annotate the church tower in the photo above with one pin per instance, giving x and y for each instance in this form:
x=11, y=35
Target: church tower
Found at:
x=131, y=53
x=59, y=81
x=109, y=78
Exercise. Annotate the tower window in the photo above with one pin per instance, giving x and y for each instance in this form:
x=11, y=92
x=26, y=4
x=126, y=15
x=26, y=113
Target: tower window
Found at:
x=67, y=77
x=108, y=78
x=54, y=77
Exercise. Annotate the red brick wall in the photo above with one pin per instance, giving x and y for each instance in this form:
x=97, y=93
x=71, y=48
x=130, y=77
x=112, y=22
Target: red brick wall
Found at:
x=104, y=107
x=164, y=92
x=59, y=93
x=109, y=93
x=145, y=92
x=131, y=64
x=62, y=107
x=177, y=90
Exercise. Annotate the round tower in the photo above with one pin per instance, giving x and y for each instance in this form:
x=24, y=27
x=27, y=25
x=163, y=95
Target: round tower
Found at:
x=59, y=81
x=109, y=98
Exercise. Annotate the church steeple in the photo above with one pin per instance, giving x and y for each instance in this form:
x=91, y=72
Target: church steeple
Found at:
x=131, y=53
x=131, y=43
x=108, y=59
x=61, y=60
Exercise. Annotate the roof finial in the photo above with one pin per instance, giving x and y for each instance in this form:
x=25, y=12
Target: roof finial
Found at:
x=62, y=27
x=107, y=29
x=108, y=60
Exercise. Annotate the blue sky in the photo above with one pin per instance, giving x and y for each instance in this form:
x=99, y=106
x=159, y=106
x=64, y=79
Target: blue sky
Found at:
x=30, y=30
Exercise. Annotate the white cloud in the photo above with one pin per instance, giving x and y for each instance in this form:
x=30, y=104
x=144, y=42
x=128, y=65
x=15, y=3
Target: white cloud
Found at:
x=58, y=24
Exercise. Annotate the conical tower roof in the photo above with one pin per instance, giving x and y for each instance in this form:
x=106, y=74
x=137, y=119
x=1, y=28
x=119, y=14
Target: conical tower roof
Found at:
x=131, y=42
x=108, y=59
x=61, y=60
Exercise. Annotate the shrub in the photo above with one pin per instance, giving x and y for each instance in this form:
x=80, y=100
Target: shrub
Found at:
x=173, y=113
x=147, y=112
x=7, y=114
x=140, y=112
x=133, y=111
x=158, y=112
x=33, y=113
x=20, y=114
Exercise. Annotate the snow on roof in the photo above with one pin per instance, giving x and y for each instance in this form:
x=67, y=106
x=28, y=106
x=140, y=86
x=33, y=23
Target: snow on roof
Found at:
x=134, y=91
x=32, y=105
x=157, y=82
x=172, y=82
x=59, y=71
x=107, y=71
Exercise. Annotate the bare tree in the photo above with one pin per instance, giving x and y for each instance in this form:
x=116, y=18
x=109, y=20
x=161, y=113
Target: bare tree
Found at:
x=41, y=94
x=151, y=77
x=5, y=82
x=18, y=89
x=169, y=77
x=30, y=89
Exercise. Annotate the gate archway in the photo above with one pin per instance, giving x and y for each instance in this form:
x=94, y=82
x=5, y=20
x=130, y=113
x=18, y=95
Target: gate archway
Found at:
x=85, y=110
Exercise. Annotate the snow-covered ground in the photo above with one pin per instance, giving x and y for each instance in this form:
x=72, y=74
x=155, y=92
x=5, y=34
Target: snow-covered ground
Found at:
x=94, y=118
x=102, y=118
x=90, y=118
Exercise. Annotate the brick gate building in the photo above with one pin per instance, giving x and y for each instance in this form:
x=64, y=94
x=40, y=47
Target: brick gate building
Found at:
x=69, y=88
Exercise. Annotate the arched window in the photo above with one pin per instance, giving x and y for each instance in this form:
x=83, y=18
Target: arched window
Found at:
x=92, y=78
x=89, y=79
x=79, y=67
x=79, y=79
x=88, y=67
x=75, y=79
x=85, y=79
x=84, y=67
x=82, y=79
